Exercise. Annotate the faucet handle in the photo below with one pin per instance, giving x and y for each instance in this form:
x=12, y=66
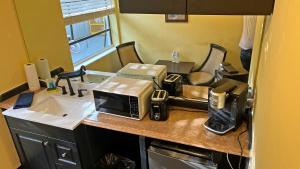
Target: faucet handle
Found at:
x=63, y=89
x=82, y=72
x=80, y=94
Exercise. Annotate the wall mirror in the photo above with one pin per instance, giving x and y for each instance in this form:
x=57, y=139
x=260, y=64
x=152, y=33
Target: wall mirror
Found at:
x=70, y=42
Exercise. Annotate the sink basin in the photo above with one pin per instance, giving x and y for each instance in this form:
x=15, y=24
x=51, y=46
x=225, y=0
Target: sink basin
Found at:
x=56, y=110
x=63, y=111
x=60, y=106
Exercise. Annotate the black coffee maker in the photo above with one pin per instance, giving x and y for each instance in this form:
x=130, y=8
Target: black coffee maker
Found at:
x=226, y=105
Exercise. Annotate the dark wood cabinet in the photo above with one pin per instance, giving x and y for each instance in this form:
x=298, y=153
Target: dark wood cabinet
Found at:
x=153, y=6
x=230, y=7
x=35, y=153
x=46, y=147
x=198, y=7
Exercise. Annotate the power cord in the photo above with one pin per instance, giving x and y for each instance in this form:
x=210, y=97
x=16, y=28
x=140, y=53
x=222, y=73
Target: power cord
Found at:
x=198, y=111
x=227, y=156
x=156, y=83
x=241, y=147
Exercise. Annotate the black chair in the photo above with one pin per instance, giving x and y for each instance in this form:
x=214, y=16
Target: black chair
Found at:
x=128, y=54
x=206, y=73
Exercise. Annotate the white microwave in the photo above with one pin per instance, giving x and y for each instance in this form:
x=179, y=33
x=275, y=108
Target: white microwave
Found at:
x=156, y=73
x=124, y=97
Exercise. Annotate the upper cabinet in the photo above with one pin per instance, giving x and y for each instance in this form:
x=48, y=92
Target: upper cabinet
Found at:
x=153, y=6
x=230, y=7
x=198, y=7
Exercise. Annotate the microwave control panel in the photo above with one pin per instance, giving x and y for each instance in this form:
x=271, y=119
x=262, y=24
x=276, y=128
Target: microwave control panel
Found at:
x=134, y=107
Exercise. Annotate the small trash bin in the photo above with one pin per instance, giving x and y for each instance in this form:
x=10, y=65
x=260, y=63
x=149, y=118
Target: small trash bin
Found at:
x=113, y=161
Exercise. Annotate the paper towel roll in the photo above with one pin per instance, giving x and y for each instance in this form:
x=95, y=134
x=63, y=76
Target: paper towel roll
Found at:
x=32, y=77
x=43, y=69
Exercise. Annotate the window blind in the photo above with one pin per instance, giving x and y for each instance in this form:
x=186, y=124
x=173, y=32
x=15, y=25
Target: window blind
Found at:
x=80, y=10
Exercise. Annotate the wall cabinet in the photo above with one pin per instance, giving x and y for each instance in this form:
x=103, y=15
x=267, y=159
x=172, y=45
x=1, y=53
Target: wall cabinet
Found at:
x=45, y=147
x=153, y=6
x=230, y=7
x=198, y=7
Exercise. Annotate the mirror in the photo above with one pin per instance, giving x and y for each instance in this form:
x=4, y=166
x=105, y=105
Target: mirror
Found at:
x=47, y=35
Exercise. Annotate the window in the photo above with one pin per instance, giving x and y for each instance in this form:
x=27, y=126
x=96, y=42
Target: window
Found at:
x=88, y=27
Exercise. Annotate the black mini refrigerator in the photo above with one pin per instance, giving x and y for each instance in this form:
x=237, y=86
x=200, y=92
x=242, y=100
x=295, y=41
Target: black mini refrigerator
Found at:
x=165, y=155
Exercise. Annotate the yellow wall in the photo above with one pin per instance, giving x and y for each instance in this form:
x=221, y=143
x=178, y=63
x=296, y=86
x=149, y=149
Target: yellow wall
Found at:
x=13, y=53
x=13, y=56
x=156, y=39
x=277, y=114
x=44, y=33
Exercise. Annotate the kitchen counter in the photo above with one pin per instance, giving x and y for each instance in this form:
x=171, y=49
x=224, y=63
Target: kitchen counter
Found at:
x=182, y=127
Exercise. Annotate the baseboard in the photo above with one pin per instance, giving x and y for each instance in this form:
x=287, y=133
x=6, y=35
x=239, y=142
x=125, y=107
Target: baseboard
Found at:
x=13, y=92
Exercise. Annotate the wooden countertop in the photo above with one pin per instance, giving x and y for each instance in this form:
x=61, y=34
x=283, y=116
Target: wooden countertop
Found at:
x=182, y=127
x=8, y=103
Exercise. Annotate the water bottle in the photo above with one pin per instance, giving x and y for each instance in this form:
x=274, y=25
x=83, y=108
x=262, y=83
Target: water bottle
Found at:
x=175, y=56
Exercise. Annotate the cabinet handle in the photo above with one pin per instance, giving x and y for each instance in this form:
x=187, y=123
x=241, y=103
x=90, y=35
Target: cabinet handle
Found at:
x=63, y=155
x=46, y=143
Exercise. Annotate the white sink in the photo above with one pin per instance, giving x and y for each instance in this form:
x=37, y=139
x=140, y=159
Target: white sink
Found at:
x=59, y=110
x=56, y=110
x=61, y=106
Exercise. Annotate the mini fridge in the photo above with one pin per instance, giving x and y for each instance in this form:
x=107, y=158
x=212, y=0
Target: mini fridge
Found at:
x=165, y=155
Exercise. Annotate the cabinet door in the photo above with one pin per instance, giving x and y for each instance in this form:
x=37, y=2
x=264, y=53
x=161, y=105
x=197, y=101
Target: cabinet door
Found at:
x=153, y=6
x=32, y=150
x=230, y=7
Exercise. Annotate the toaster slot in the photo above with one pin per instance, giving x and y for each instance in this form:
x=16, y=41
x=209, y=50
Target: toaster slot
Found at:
x=161, y=94
x=155, y=94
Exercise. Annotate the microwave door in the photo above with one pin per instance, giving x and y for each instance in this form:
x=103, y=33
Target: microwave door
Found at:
x=114, y=104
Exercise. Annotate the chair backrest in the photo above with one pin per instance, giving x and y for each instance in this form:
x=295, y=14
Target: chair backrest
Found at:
x=127, y=53
x=215, y=57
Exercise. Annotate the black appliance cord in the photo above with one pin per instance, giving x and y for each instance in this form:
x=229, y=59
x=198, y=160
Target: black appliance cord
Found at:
x=200, y=111
x=156, y=83
x=241, y=147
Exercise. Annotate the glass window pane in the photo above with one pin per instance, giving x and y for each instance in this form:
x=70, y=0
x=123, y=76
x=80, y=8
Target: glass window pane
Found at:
x=92, y=45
